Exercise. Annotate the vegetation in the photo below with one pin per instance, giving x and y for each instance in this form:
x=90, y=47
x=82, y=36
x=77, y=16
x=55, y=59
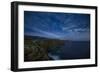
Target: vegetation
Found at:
x=37, y=49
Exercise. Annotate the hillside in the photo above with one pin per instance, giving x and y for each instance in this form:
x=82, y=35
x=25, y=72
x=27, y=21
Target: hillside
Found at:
x=36, y=48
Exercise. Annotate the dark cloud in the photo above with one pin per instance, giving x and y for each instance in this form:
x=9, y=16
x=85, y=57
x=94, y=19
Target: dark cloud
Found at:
x=57, y=25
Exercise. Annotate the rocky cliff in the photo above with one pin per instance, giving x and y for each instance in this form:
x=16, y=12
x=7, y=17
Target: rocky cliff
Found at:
x=37, y=49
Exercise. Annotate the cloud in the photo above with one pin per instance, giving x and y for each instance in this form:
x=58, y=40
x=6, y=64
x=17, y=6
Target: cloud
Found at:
x=67, y=26
x=42, y=33
x=74, y=35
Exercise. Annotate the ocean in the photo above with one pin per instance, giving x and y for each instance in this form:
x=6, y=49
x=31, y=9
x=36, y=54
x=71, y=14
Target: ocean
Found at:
x=71, y=50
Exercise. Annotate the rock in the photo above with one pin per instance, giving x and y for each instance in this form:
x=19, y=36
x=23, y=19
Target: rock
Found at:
x=37, y=50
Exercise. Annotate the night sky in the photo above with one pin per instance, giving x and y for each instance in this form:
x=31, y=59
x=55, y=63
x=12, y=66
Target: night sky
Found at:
x=63, y=26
